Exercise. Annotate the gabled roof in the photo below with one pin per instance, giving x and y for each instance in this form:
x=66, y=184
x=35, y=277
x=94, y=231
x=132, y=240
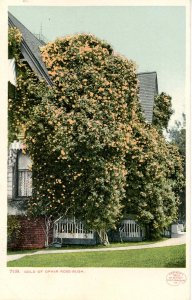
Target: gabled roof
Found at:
x=30, y=49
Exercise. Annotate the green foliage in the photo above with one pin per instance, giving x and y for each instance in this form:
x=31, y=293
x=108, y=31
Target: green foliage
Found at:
x=13, y=227
x=26, y=94
x=78, y=134
x=14, y=43
x=154, y=179
x=177, y=136
x=93, y=155
x=162, y=111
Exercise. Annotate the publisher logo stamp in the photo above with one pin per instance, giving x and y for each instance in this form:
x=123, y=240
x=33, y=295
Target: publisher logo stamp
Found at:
x=176, y=278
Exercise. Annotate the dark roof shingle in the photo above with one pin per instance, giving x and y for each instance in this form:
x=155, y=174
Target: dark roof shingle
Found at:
x=148, y=89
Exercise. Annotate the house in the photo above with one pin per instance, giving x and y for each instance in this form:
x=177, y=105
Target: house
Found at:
x=68, y=230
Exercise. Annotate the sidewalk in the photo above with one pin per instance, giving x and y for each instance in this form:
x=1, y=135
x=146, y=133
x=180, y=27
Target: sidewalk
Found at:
x=170, y=242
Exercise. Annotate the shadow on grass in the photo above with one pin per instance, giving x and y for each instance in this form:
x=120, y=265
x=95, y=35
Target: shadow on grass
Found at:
x=177, y=264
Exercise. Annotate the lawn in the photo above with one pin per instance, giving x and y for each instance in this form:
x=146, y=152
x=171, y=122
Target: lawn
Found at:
x=162, y=257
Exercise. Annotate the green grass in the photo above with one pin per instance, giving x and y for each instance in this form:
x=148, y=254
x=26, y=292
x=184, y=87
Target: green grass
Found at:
x=71, y=247
x=162, y=257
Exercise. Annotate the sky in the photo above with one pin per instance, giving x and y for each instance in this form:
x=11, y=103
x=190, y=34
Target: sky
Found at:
x=152, y=36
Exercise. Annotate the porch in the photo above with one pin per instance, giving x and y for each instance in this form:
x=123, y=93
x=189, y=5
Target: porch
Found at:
x=69, y=231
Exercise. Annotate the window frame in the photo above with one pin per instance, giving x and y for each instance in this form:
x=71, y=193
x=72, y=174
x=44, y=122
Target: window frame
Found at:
x=16, y=195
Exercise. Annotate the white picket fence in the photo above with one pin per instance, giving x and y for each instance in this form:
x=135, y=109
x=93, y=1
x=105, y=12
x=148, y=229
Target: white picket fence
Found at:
x=130, y=229
x=71, y=228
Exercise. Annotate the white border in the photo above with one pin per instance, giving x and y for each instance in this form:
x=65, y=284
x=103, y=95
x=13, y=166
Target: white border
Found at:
x=98, y=2
x=113, y=284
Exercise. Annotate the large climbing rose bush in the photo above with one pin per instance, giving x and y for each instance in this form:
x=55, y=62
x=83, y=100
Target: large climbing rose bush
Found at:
x=93, y=155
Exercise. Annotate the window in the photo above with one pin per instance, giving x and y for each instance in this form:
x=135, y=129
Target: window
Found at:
x=24, y=175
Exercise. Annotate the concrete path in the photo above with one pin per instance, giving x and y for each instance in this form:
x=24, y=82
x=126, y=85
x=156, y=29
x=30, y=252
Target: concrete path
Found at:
x=179, y=240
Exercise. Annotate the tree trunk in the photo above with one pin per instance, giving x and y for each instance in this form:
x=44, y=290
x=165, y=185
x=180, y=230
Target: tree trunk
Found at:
x=149, y=231
x=46, y=229
x=103, y=237
x=120, y=235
